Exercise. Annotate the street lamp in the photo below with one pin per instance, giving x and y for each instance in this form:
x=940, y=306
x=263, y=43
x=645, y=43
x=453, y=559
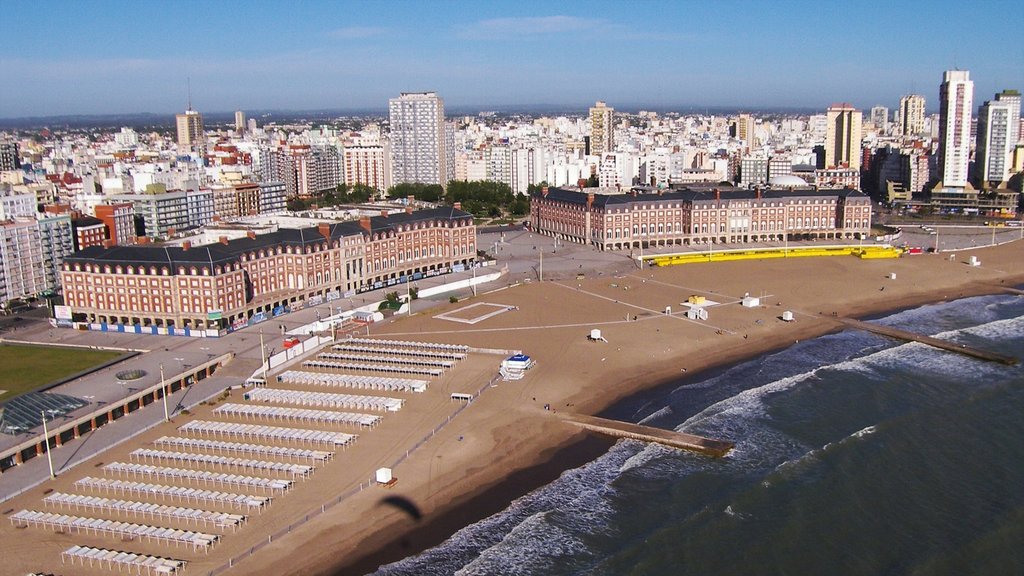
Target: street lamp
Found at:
x=163, y=390
x=46, y=440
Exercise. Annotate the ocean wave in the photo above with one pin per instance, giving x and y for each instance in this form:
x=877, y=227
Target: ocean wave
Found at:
x=579, y=488
x=563, y=527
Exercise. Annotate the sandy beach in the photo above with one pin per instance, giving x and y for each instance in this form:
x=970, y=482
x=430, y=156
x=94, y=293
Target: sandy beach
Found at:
x=505, y=443
x=513, y=434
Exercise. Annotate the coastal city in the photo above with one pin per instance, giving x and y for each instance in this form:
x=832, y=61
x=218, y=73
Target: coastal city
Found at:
x=412, y=336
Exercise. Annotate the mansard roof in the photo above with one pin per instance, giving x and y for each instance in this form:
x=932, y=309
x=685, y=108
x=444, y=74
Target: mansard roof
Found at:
x=226, y=253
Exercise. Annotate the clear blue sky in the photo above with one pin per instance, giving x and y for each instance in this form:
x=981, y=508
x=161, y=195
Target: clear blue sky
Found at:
x=104, y=57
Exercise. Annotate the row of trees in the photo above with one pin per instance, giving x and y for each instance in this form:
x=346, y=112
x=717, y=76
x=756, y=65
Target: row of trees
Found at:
x=483, y=199
x=343, y=194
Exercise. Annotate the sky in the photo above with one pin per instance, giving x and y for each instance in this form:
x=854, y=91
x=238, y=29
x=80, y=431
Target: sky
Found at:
x=113, y=57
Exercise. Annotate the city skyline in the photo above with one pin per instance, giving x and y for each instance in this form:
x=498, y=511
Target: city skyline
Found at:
x=356, y=56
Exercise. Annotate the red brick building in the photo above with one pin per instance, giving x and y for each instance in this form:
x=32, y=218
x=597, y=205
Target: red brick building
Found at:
x=698, y=215
x=228, y=283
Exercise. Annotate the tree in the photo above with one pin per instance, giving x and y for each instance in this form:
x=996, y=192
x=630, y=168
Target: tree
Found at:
x=296, y=204
x=593, y=182
x=422, y=192
x=536, y=188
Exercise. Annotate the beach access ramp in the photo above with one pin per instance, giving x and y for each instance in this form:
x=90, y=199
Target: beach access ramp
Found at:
x=670, y=438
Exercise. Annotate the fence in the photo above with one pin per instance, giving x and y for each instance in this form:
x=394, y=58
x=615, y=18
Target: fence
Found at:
x=348, y=493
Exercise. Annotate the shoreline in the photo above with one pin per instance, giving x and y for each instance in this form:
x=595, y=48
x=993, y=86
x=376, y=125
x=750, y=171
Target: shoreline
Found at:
x=455, y=515
x=506, y=444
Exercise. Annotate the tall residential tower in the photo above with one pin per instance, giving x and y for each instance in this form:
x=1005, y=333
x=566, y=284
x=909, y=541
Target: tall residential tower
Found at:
x=190, y=131
x=602, y=139
x=956, y=98
x=998, y=130
x=842, y=137
x=911, y=114
x=418, y=138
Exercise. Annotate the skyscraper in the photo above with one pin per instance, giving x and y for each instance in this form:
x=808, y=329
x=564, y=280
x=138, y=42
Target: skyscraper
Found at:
x=880, y=118
x=9, y=159
x=998, y=132
x=239, y=121
x=842, y=137
x=745, y=130
x=190, y=131
x=602, y=130
x=418, y=138
x=1012, y=99
x=911, y=114
x=956, y=97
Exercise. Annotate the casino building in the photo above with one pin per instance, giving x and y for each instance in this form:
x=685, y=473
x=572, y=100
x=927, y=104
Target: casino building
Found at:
x=647, y=217
x=233, y=282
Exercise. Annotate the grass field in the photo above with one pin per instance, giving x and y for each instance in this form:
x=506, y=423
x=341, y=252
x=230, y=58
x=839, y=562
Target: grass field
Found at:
x=25, y=368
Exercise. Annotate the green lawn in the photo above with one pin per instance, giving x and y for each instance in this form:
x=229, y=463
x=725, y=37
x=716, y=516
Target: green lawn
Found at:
x=25, y=368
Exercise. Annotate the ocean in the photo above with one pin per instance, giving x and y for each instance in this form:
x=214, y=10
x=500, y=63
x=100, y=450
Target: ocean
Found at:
x=855, y=454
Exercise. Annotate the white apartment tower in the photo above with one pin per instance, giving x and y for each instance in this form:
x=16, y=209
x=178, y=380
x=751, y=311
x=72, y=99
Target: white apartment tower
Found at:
x=998, y=130
x=842, y=137
x=602, y=139
x=912, y=115
x=418, y=149
x=956, y=98
x=880, y=118
x=1012, y=99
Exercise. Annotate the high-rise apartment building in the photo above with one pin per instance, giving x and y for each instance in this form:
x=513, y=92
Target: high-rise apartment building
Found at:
x=842, y=137
x=367, y=165
x=239, y=121
x=21, y=259
x=9, y=159
x=1012, y=99
x=912, y=115
x=745, y=130
x=998, y=130
x=418, y=148
x=190, y=131
x=880, y=118
x=602, y=129
x=956, y=97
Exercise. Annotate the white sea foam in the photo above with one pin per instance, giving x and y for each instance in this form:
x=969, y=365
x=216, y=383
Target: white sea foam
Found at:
x=553, y=523
x=658, y=414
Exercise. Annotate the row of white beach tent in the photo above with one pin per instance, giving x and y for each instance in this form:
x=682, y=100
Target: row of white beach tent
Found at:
x=244, y=448
x=295, y=470
x=325, y=399
x=177, y=493
x=262, y=432
x=410, y=344
x=130, y=507
x=358, y=381
x=133, y=562
x=197, y=476
x=300, y=414
x=372, y=367
x=396, y=360
x=398, y=350
x=117, y=529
